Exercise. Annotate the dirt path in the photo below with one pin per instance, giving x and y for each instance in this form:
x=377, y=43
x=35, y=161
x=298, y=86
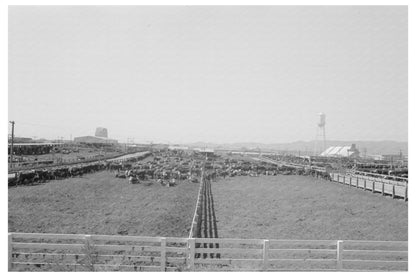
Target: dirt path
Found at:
x=209, y=222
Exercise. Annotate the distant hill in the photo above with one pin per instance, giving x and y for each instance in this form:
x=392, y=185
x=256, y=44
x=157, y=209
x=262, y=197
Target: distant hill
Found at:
x=371, y=147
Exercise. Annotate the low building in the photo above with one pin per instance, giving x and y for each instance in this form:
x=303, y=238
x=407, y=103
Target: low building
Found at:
x=341, y=151
x=94, y=140
x=177, y=147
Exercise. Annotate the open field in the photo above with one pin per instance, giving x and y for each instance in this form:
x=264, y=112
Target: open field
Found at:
x=300, y=207
x=99, y=203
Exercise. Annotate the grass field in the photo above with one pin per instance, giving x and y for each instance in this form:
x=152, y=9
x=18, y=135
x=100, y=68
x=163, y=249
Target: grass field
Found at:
x=99, y=203
x=300, y=207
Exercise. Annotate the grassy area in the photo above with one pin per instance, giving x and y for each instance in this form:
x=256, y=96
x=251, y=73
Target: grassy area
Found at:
x=99, y=203
x=300, y=207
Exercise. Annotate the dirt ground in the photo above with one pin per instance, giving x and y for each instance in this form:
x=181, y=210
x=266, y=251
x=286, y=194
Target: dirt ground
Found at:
x=300, y=207
x=99, y=203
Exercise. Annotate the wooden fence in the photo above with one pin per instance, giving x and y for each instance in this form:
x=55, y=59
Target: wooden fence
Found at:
x=196, y=220
x=380, y=176
x=74, y=252
x=375, y=185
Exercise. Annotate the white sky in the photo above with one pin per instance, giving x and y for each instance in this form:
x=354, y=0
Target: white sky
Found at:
x=214, y=74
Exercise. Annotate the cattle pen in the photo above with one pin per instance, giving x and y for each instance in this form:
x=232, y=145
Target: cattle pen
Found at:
x=244, y=229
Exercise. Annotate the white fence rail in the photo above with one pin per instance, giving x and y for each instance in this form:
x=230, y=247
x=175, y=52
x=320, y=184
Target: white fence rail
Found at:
x=375, y=185
x=73, y=252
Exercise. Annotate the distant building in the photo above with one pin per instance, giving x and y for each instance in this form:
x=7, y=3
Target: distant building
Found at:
x=20, y=140
x=394, y=157
x=207, y=151
x=177, y=147
x=94, y=140
x=341, y=151
x=101, y=132
x=99, y=138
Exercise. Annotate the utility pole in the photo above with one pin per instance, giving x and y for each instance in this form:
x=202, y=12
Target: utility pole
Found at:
x=11, y=146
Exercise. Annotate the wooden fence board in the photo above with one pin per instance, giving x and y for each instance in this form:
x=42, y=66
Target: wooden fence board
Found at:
x=229, y=241
x=309, y=254
x=47, y=236
x=229, y=251
x=51, y=246
x=308, y=251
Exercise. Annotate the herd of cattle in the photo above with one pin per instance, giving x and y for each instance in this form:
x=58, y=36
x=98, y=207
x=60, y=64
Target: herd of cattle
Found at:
x=166, y=167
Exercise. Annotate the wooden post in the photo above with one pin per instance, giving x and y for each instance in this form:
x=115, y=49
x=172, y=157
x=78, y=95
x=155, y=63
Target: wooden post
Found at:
x=373, y=188
x=266, y=244
x=393, y=193
x=10, y=249
x=344, y=180
x=405, y=193
x=365, y=184
x=382, y=188
x=191, y=260
x=350, y=181
x=337, y=177
x=340, y=248
x=163, y=254
x=358, y=181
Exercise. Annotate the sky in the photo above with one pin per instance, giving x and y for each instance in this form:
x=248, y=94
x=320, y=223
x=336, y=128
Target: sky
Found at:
x=223, y=74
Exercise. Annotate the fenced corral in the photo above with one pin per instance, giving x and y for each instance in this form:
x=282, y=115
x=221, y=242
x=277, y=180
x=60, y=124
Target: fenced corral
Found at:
x=54, y=252
x=130, y=157
x=374, y=185
x=75, y=161
x=62, y=162
x=381, y=176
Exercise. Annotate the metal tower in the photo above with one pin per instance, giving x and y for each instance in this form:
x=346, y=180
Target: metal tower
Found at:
x=320, y=140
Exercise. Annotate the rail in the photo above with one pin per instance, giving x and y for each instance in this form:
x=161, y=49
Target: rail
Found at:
x=79, y=252
x=113, y=158
x=395, y=190
x=198, y=208
x=382, y=176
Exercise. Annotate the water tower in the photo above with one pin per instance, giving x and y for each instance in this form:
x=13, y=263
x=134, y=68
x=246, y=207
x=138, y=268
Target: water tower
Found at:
x=320, y=141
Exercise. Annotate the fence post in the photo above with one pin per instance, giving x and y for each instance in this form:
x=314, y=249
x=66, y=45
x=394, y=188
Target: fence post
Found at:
x=382, y=188
x=343, y=180
x=350, y=181
x=163, y=254
x=266, y=244
x=405, y=193
x=393, y=193
x=340, y=248
x=337, y=177
x=358, y=181
x=10, y=249
x=365, y=184
x=373, y=188
x=88, y=245
x=191, y=258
